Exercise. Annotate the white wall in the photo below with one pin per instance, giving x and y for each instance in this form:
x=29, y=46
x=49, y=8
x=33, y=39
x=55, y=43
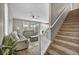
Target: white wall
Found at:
x=1, y=21
x=25, y=10
x=75, y=6
x=56, y=9
x=58, y=12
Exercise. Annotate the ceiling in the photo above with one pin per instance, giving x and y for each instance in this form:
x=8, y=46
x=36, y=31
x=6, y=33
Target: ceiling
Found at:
x=25, y=10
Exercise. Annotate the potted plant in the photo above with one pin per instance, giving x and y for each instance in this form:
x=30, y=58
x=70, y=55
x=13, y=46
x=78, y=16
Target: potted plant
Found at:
x=8, y=46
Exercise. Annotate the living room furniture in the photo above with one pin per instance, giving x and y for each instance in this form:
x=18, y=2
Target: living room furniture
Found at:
x=34, y=38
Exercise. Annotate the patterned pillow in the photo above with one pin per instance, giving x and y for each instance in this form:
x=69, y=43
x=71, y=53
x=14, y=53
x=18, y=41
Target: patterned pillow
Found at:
x=14, y=34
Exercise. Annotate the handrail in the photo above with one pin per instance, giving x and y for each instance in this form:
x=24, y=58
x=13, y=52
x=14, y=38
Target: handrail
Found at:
x=46, y=31
x=58, y=17
x=55, y=21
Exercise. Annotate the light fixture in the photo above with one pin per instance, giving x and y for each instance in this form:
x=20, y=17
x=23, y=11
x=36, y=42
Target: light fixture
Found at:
x=34, y=16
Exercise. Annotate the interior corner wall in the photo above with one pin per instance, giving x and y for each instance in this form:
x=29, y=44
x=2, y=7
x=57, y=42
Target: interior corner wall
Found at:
x=1, y=21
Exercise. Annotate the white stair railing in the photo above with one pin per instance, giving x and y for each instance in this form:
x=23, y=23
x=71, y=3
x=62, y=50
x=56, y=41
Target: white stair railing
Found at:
x=45, y=40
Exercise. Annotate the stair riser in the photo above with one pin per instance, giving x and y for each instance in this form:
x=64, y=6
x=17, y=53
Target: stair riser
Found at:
x=72, y=16
x=51, y=52
x=59, y=51
x=69, y=30
x=70, y=26
x=69, y=34
x=68, y=39
x=76, y=28
x=72, y=23
x=76, y=49
x=65, y=50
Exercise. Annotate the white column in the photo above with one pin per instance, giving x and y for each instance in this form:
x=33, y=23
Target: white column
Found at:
x=5, y=19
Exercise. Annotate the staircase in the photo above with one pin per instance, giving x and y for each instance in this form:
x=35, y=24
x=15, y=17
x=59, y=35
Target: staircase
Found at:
x=66, y=41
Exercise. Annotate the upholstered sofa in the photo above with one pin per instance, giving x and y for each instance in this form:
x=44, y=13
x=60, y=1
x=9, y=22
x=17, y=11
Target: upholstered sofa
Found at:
x=22, y=41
